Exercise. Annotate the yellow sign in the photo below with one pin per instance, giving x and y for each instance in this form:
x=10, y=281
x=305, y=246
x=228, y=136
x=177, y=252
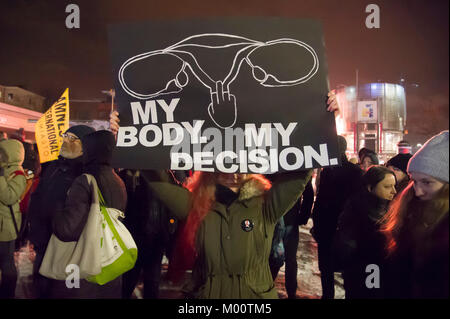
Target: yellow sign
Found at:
x=50, y=126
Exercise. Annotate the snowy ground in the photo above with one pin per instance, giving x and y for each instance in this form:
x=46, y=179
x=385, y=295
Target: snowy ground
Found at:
x=308, y=274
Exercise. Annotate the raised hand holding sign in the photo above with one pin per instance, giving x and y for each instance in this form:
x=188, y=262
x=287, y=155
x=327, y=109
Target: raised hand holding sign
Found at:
x=222, y=101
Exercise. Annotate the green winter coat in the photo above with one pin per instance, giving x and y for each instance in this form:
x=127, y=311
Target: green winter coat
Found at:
x=233, y=263
x=12, y=186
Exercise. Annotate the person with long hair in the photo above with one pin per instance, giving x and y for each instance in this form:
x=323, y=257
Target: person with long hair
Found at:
x=227, y=236
x=229, y=224
x=417, y=226
x=358, y=244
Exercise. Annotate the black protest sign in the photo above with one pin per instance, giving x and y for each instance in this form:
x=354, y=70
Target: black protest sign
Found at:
x=231, y=95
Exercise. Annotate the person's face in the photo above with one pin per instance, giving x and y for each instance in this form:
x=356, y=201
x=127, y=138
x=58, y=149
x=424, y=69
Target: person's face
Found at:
x=366, y=163
x=425, y=186
x=71, y=147
x=232, y=181
x=385, y=189
x=399, y=174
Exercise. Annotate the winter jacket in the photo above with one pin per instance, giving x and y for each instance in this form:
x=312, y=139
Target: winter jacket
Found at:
x=69, y=220
x=358, y=243
x=49, y=196
x=12, y=186
x=337, y=185
x=234, y=241
x=419, y=267
x=146, y=217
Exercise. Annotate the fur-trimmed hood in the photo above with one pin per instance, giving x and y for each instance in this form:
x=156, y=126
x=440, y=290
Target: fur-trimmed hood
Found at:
x=255, y=186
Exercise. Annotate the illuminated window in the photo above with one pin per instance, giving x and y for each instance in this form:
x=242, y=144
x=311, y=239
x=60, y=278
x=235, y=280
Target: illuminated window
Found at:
x=390, y=91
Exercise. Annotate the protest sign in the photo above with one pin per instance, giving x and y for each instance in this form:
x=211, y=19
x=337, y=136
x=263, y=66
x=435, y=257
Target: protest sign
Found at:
x=231, y=95
x=49, y=128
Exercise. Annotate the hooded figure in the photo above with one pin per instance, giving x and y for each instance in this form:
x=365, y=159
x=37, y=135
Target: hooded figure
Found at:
x=50, y=194
x=70, y=219
x=337, y=184
x=12, y=186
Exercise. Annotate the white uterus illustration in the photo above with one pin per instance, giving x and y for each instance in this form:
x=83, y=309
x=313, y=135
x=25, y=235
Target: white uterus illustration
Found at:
x=223, y=106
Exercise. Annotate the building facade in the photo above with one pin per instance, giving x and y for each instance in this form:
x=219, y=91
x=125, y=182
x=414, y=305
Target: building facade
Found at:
x=372, y=116
x=17, y=96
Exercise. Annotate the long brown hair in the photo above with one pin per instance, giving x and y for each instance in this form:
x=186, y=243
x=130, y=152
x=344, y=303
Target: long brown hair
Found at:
x=401, y=208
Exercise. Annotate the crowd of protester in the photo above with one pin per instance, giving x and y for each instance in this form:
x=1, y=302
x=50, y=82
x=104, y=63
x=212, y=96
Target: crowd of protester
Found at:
x=384, y=227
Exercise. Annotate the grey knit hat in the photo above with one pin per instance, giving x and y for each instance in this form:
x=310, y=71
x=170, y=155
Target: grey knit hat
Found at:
x=432, y=158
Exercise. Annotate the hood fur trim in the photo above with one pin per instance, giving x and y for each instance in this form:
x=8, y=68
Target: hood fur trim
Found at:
x=256, y=186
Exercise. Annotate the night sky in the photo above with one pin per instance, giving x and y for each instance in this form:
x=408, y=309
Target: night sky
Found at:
x=39, y=53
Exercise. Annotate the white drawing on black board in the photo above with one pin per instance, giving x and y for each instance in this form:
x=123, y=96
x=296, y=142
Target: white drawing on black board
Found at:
x=222, y=101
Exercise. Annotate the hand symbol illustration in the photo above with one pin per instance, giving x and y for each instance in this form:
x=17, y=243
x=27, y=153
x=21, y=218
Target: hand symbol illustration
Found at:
x=223, y=107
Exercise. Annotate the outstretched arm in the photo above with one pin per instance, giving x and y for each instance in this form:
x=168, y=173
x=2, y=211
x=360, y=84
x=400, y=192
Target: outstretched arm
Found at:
x=286, y=190
x=176, y=198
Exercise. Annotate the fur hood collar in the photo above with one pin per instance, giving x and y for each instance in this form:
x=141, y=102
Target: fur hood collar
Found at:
x=256, y=186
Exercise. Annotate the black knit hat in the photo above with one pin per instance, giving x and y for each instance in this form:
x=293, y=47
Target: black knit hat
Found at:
x=80, y=130
x=400, y=161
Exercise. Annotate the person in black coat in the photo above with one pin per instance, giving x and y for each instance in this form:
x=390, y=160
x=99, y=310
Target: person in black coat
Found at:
x=71, y=218
x=55, y=180
x=337, y=184
x=298, y=215
x=359, y=246
x=153, y=227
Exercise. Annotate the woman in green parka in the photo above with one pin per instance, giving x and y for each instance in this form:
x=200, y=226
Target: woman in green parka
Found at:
x=12, y=186
x=230, y=220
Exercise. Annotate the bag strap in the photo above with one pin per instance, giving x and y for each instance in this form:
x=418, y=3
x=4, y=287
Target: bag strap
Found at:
x=92, y=181
x=100, y=198
x=14, y=174
x=14, y=220
x=17, y=173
